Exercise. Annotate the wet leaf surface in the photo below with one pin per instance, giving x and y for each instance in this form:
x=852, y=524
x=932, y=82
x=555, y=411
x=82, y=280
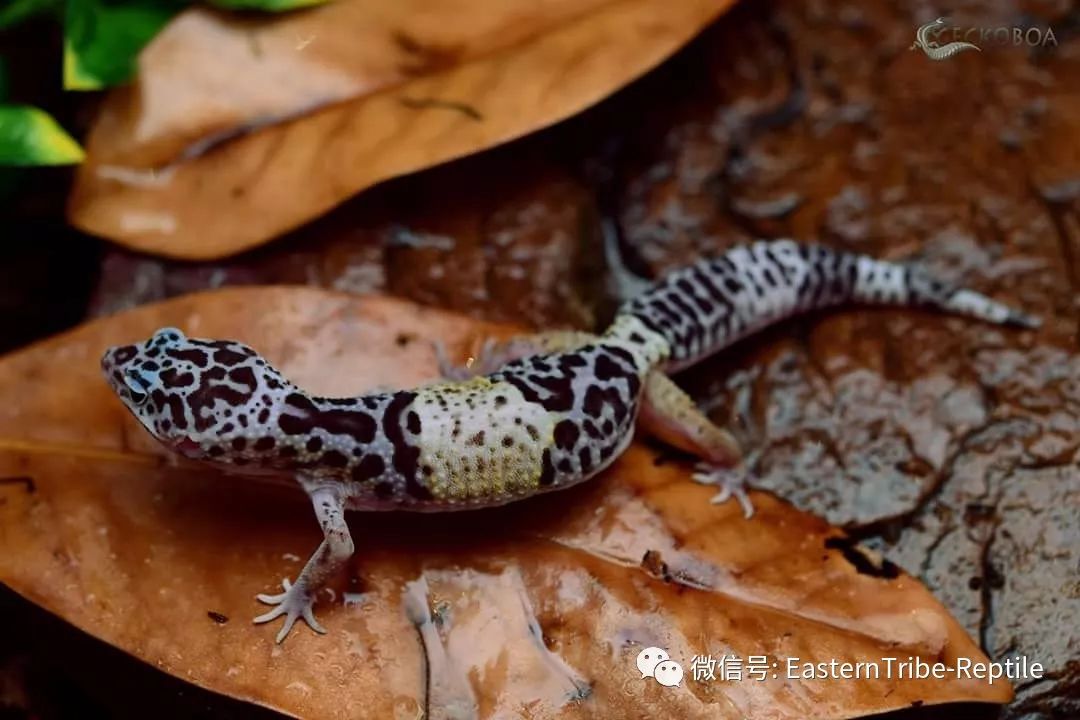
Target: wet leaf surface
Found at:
x=538, y=607
x=193, y=163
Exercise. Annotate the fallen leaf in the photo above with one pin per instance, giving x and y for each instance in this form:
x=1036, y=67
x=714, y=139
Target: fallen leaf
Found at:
x=197, y=163
x=543, y=604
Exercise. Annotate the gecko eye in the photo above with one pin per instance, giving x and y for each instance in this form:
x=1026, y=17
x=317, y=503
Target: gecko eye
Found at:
x=136, y=387
x=166, y=335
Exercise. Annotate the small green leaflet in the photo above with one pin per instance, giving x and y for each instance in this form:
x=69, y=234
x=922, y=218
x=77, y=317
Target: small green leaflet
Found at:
x=29, y=136
x=102, y=38
x=8, y=175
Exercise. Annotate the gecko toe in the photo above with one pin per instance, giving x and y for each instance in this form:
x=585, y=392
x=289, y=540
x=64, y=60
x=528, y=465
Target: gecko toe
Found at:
x=290, y=620
x=732, y=484
x=275, y=599
x=295, y=604
x=740, y=495
x=309, y=618
x=270, y=614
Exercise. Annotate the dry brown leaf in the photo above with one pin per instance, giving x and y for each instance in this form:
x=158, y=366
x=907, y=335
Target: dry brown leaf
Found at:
x=164, y=560
x=401, y=86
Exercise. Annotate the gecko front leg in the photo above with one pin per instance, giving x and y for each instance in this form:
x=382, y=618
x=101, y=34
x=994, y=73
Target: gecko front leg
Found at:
x=494, y=354
x=336, y=547
x=670, y=415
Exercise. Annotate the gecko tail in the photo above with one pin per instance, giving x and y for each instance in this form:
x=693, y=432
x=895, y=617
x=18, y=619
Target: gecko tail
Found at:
x=709, y=305
x=838, y=276
x=885, y=283
x=961, y=301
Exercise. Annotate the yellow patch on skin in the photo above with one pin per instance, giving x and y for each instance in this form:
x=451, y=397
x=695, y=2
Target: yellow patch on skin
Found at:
x=481, y=440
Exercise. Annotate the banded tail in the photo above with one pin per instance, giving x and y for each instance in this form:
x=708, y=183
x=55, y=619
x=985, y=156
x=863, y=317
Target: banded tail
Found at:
x=707, y=306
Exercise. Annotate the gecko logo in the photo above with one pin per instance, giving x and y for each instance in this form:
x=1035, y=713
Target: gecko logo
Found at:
x=654, y=662
x=933, y=49
x=929, y=38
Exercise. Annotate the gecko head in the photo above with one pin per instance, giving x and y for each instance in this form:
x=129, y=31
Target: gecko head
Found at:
x=195, y=396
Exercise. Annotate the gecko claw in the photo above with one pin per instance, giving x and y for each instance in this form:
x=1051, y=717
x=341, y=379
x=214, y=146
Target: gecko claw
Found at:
x=732, y=483
x=294, y=603
x=487, y=360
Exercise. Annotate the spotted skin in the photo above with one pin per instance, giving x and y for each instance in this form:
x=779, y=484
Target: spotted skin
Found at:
x=550, y=412
x=707, y=306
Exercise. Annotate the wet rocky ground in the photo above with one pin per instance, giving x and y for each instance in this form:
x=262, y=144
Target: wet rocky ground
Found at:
x=950, y=447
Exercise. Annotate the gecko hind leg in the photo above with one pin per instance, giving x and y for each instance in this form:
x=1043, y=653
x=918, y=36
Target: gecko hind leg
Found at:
x=337, y=546
x=670, y=415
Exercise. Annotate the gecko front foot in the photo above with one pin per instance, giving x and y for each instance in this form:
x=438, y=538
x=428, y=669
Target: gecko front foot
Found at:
x=732, y=483
x=294, y=603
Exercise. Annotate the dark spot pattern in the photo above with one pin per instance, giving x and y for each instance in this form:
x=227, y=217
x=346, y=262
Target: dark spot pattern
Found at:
x=369, y=468
x=305, y=415
x=596, y=389
x=334, y=459
x=547, y=470
x=709, y=305
x=229, y=357
x=566, y=434
x=198, y=358
x=406, y=450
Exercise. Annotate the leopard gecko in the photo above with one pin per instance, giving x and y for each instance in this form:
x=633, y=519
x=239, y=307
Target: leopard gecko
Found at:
x=546, y=412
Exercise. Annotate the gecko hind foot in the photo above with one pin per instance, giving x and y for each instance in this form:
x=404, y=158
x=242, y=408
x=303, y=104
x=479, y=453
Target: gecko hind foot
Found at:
x=294, y=603
x=732, y=484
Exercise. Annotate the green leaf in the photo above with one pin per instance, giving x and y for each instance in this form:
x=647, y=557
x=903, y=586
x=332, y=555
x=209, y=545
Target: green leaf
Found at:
x=8, y=176
x=102, y=38
x=267, y=5
x=29, y=136
x=18, y=10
